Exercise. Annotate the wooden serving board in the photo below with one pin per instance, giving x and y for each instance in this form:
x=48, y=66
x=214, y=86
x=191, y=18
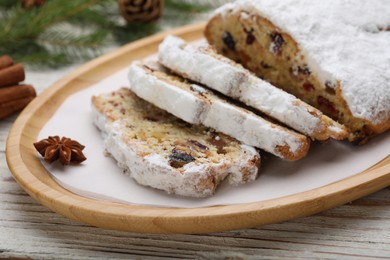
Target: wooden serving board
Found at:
x=33, y=177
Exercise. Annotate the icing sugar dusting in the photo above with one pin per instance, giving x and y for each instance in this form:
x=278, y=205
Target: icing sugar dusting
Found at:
x=346, y=40
x=212, y=111
x=203, y=65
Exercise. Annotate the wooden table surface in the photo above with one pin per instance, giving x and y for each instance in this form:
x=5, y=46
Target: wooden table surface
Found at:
x=359, y=230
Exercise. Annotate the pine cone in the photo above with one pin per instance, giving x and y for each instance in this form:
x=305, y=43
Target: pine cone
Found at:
x=141, y=10
x=28, y=4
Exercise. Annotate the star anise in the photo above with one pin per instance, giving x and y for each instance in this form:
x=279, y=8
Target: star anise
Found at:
x=64, y=149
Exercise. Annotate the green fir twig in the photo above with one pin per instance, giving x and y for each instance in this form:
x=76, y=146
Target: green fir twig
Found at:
x=62, y=31
x=185, y=7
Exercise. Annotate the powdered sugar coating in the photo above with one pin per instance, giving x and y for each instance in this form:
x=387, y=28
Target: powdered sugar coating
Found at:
x=216, y=113
x=180, y=103
x=177, y=55
x=155, y=171
x=345, y=40
x=227, y=77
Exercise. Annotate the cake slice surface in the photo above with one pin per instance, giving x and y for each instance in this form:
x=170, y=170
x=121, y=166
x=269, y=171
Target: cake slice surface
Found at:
x=161, y=151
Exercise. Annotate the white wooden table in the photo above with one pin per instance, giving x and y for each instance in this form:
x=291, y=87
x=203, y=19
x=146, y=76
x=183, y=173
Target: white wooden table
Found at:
x=358, y=230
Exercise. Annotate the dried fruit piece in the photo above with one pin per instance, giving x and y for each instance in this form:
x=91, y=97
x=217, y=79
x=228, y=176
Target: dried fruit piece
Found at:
x=229, y=40
x=198, y=145
x=326, y=105
x=308, y=86
x=219, y=143
x=330, y=88
x=265, y=65
x=250, y=38
x=304, y=70
x=64, y=149
x=178, y=159
x=276, y=43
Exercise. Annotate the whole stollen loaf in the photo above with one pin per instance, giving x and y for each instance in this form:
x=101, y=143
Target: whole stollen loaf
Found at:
x=332, y=54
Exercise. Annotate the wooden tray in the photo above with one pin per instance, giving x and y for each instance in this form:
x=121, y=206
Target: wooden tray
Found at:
x=33, y=177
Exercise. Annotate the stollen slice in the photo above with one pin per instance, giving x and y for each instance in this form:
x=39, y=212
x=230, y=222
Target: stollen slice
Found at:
x=161, y=151
x=202, y=64
x=197, y=105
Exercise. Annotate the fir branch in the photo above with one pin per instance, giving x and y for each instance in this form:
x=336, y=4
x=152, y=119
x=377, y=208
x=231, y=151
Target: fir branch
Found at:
x=182, y=6
x=68, y=42
x=132, y=32
x=21, y=24
x=39, y=35
x=7, y=3
x=43, y=58
x=52, y=13
x=95, y=16
x=30, y=33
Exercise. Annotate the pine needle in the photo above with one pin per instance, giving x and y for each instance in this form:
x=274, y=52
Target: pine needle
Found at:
x=185, y=7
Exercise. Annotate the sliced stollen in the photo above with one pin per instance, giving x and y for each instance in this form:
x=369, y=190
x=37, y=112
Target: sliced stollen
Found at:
x=196, y=105
x=202, y=64
x=166, y=153
x=331, y=54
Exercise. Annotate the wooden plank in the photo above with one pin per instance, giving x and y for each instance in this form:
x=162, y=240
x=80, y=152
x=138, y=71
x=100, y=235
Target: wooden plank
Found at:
x=359, y=229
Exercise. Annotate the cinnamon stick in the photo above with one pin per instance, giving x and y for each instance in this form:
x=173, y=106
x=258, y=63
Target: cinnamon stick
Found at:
x=11, y=75
x=11, y=107
x=15, y=98
x=5, y=61
x=16, y=92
